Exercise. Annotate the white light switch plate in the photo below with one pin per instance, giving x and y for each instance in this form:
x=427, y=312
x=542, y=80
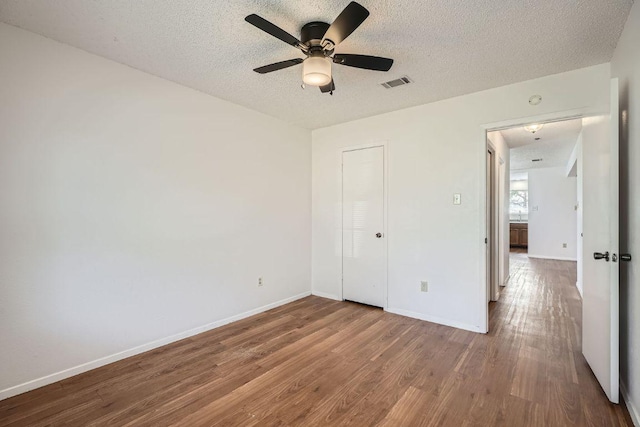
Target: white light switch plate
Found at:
x=457, y=199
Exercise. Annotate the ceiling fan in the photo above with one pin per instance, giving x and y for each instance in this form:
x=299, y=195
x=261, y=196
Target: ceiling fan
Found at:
x=318, y=41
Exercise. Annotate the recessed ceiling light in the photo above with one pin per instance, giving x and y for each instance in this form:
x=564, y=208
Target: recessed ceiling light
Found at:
x=534, y=127
x=535, y=100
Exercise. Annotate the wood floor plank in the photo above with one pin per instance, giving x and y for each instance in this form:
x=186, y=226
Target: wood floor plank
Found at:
x=319, y=362
x=406, y=409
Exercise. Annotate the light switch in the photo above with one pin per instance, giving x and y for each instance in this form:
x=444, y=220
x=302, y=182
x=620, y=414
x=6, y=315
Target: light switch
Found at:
x=457, y=199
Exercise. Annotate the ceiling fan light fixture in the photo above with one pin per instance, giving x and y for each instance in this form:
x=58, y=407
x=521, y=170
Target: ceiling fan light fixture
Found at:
x=316, y=70
x=533, y=128
x=318, y=41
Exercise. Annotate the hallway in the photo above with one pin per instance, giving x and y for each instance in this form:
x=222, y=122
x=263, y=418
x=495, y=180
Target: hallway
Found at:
x=539, y=313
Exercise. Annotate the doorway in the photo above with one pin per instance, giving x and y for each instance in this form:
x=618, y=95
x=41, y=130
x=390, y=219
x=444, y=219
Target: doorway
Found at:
x=364, y=261
x=594, y=161
x=521, y=222
x=543, y=205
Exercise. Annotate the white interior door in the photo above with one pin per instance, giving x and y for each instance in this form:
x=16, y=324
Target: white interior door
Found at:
x=364, y=260
x=600, y=305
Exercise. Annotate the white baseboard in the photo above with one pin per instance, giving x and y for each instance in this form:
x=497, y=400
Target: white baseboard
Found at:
x=434, y=319
x=412, y=314
x=557, y=258
x=633, y=411
x=506, y=280
x=67, y=373
x=326, y=295
x=579, y=288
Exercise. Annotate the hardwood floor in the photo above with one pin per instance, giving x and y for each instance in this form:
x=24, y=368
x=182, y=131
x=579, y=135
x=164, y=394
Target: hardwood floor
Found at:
x=318, y=362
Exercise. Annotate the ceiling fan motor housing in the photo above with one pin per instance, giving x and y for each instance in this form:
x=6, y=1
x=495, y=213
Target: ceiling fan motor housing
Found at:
x=313, y=33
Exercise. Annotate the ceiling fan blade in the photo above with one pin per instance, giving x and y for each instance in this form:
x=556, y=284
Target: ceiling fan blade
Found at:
x=349, y=19
x=273, y=29
x=328, y=87
x=278, y=66
x=363, y=61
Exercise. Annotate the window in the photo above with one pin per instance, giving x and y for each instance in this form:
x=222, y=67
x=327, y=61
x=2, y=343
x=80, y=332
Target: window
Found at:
x=518, y=201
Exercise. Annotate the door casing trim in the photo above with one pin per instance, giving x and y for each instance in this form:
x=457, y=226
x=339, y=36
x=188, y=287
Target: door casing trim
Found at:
x=483, y=319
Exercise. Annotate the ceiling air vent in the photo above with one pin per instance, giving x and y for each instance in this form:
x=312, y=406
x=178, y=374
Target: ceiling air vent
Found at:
x=404, y=80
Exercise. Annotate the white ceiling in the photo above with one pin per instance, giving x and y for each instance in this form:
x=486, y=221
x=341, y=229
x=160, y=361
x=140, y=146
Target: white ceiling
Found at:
x=556, y=143
x=519, y=176
x=447, y=48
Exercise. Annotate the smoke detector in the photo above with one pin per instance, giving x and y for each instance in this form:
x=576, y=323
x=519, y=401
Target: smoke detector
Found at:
x=535, y=100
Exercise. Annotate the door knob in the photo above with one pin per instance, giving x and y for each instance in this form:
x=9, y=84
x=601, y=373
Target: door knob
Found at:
x=378, y=235
x=625, y=257
x=598, y=255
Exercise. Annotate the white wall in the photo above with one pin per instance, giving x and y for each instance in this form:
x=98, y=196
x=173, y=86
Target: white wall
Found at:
x=435, y=150
x=626, y=66
x=134, y=210
x=552, y=215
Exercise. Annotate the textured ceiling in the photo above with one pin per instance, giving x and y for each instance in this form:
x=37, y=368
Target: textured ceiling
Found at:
x=447, y=48
x=554, y=147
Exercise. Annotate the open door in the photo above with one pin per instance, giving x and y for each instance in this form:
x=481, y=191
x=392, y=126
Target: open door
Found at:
x=600, y=305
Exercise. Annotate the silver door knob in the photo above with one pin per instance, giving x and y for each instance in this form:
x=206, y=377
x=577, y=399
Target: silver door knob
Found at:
x=378, y=235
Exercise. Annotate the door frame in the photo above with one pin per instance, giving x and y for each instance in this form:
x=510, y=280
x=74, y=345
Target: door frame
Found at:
x=614, y=233
x=482, y=297
x=385, y=211
x=503, y=225
x=493, y=225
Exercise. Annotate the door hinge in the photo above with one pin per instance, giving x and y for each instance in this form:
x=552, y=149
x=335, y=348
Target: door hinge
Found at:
x=485, y=241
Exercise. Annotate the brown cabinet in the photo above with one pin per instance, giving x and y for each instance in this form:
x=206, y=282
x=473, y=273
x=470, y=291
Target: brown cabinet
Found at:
x=519, y=234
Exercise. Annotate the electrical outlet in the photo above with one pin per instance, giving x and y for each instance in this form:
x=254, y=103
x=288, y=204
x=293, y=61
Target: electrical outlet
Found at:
x=564, y=245
x=424, y=286
x=259, y=281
